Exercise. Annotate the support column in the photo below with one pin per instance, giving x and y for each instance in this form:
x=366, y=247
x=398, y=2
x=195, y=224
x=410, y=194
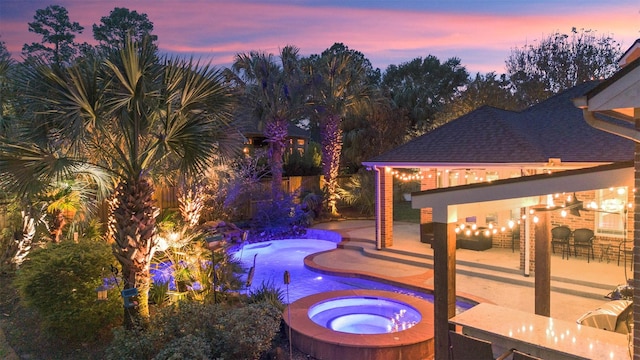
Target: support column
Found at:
x=543, y=266
x=636, y=246
x=444, y=285
x=384, y=210
x=427, y=182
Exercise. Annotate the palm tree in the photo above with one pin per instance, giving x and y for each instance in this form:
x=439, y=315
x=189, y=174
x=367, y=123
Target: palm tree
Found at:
x=274, y=92
x=132, y=114
x=340, y=85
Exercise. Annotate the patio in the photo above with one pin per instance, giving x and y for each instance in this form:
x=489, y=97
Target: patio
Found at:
x=493, y=275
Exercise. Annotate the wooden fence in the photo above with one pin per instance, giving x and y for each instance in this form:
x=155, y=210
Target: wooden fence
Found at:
x=167, y=199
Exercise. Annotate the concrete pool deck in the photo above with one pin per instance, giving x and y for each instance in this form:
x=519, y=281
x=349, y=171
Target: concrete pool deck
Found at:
x=576, y=286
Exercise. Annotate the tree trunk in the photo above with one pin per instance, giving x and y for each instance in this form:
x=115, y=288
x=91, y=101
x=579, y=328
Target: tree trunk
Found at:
x=191, y=202
x=57, y=223
x=135, y=220
x=276, y=133
x=331, y=134
x=23, y=241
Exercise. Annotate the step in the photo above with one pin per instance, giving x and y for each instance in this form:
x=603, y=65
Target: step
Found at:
x=500, y=274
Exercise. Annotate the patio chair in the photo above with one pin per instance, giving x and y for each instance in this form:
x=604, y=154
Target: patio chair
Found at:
x=560, y=235
x=625, y=249
x=583, y=238
x=465, y=347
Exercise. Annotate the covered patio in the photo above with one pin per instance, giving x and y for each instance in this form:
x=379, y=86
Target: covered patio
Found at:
x=582, y=140
x=451, y=204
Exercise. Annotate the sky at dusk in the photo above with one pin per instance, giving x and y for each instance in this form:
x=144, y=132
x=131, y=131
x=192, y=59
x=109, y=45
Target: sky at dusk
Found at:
x=481, y=33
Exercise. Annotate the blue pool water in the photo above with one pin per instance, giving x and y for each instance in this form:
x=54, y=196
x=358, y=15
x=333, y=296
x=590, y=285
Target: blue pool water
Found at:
x=275, y=257
x=364, y=315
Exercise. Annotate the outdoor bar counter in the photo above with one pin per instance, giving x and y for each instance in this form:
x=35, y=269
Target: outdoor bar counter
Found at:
x=541, y=336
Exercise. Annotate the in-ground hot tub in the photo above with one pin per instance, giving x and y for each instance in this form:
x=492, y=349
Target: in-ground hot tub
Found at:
x=364, y=315
x=362, y=324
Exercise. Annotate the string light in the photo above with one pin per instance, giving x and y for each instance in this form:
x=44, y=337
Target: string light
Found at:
x=494, y=228
x=403, y=176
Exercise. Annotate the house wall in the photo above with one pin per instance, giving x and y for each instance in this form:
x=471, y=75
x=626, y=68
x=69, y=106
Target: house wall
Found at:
x=604, y=247
x=587, y=220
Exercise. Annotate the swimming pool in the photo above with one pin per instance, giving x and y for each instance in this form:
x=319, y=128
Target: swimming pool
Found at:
x=273, y=258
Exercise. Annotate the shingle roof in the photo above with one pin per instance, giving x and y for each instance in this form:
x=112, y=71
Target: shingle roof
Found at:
x=553, y=128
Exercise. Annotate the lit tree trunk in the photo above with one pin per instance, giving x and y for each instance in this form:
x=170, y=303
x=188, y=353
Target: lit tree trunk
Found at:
x=331, y=142
x=57, y=223
x=112, y=205
x=135, y=222
x=276, y=133
x=191, y=203
x=24, y=240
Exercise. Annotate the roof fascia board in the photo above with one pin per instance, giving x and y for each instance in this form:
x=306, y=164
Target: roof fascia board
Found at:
x=620, y=94
x=466, y=165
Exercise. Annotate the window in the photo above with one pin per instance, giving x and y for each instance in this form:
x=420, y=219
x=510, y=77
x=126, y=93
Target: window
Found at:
x=609, y=206
x=491, y=175
x=470, y=177
x=454, y=178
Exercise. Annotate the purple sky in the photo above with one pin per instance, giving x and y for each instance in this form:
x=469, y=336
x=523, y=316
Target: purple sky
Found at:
x=480, y=33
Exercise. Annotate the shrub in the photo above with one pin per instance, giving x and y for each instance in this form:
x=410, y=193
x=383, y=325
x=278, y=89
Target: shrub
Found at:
x=311, y=205
x=186, y=265
x=190, y=347
x=247, y=332
x=267, y=292
x=159, y=292
x=60, y=282
x=133, y=345
x=359, y=191
x=191, y=330
x=187, y=318
x=307, y=164
x=280, y=218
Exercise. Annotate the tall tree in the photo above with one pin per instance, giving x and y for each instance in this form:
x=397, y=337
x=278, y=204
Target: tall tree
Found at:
x=371, y=133
x=58, y=35
x=7, y=95
x=488, y=89
x=423, y=86
x=274, y=94
x=130, y=114
x=121, y=22
x=560, y=61
x=340, y=86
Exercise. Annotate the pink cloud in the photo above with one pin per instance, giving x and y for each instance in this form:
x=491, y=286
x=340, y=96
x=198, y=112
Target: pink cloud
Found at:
x=218, y=30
